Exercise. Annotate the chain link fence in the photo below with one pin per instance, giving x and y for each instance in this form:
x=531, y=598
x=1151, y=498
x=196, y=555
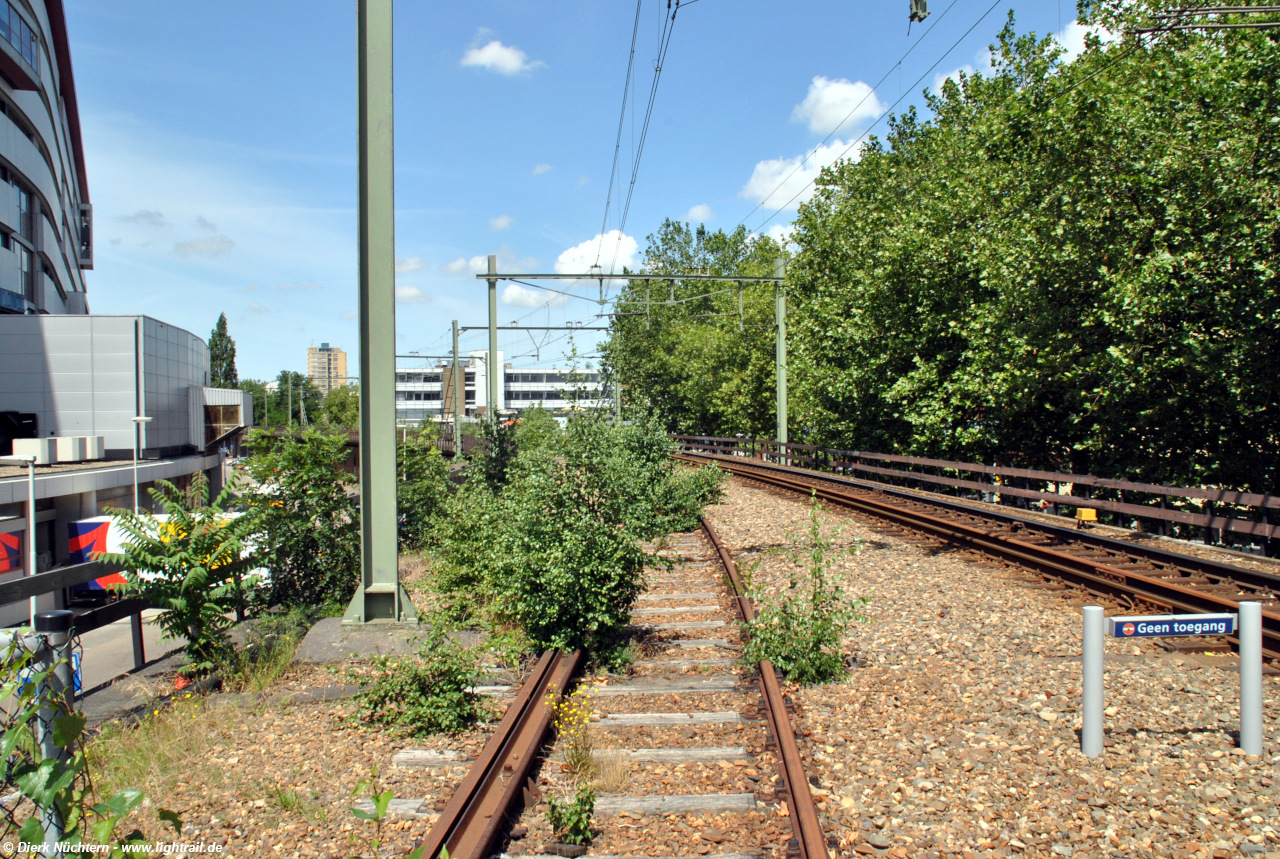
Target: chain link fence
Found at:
x=40, y=676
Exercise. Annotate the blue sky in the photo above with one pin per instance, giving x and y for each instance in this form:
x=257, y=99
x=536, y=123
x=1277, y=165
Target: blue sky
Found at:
x=221, y=146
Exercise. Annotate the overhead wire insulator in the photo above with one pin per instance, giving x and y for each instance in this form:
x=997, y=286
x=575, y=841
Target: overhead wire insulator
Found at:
x=919, y=10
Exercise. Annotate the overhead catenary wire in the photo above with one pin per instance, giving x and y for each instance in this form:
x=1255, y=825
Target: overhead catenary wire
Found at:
x=887, y=111
x=664, y=45
x=622, y=116
x=871, y=92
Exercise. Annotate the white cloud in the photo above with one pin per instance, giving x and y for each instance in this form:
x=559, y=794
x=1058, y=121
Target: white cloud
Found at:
x=462, y=265
x=954, y=75
x=350, y=314
x=539, y=169
x=838, y=104
x=211, y=247
x=500, y=58
x=149, y=217
x=411, y=295
x=515, y=295
x=613, y=250
x=255, y=307
x=507, y=261
x=781, y=233
x=285, y=232
x=205, y=224
x=784, y=183
x=501, y=222
x=1072, y=39
x=699, y=214
x=410, y=264
x=308, y=285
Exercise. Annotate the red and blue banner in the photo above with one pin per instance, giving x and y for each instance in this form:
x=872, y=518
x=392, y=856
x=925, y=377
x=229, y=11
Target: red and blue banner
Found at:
x=10, y=552
x=86, y=539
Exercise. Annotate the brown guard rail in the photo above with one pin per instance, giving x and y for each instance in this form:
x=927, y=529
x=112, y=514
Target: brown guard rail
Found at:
x=1095, y=576
x=860, y=462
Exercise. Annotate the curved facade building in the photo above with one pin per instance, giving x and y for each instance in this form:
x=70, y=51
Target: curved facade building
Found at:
x=46, y=221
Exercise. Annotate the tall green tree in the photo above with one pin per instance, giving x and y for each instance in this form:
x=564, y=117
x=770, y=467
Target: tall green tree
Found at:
x=1068, y=266
x=341, y=408
x=680, y=348
x=258, y=389
x=222, y=356
x=295, y=402
x=1064, y=264
x=309, y=522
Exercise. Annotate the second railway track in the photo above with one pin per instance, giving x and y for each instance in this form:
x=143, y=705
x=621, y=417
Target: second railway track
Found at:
x=1133, y=575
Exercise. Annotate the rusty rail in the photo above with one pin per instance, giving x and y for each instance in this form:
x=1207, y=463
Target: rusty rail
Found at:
x=496, y=784
x=1097, y=577
x=1215, y=503
x=808, y=839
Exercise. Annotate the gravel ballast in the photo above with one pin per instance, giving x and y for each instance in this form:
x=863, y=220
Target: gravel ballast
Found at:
x=956, y=734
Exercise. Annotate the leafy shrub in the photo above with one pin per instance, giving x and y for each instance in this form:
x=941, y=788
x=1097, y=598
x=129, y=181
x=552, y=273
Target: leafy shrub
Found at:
x=557, y=546
x=493, y=457
x=537, y=428
x=30, y=706
x=571, y=818
x=184, y=565
x=310, y=525
x=422, y=490
x=801, y=630
x=431, y=694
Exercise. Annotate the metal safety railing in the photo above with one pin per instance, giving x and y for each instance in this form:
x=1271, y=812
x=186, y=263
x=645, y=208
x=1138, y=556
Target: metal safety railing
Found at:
x=1213, y=511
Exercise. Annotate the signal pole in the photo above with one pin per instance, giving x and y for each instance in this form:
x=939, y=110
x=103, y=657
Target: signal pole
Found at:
x=492, y=370
x=780, y=308
x=380, y=596
x=459, y=396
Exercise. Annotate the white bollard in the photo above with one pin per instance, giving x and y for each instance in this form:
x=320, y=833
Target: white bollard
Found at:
x=1092, y=659
x=1250, y=634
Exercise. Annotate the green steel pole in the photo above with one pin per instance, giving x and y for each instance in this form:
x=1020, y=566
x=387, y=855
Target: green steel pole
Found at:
x=780, y=271
x=459, y=396
x=493, y=371
x=380, y=596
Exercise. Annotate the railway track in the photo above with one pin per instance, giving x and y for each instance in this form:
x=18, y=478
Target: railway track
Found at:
x=702, y=751
x=1132, y=575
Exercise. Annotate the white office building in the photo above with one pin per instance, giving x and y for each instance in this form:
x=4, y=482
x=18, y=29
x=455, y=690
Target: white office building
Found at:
x=427, y=394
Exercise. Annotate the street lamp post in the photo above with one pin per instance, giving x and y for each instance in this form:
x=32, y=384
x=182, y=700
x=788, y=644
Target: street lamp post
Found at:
x=30, y=463
x=137, y=442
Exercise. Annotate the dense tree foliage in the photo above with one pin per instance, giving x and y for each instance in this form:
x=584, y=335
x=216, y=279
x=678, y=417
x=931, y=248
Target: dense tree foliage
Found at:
x=305, y=509
x=1067, y=265
x=422, y=490
x=222, y=356
x=341, y=408
x=681, y=349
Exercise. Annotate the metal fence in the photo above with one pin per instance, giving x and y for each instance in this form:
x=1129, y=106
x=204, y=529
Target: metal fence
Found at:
x=1210, y=512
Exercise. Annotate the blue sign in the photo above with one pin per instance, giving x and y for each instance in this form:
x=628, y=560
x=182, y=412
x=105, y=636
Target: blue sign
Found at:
x=1157, y=625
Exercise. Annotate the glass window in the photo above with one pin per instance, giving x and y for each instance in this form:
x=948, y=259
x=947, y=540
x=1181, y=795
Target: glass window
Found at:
x=26, y=275
x=4, y=21
x=24, y=211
